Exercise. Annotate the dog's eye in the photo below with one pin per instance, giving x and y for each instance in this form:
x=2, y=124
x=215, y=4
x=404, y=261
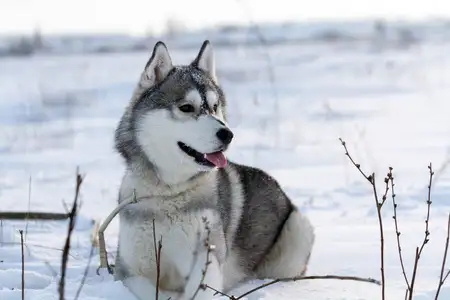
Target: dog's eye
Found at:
x=187, y=108
x=215, y=107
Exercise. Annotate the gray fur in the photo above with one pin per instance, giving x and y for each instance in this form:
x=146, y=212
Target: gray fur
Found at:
x=265, y=210
x=224, y=196
x=162, y=96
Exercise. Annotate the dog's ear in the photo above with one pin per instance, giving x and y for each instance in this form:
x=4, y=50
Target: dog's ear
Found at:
x=158, y=66
x=205, y=60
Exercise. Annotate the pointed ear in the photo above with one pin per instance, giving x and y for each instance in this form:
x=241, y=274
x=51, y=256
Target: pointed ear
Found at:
x=158, y=66
x=205, y=60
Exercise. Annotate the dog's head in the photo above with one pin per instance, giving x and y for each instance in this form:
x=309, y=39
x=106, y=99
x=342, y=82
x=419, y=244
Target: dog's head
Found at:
x=177, y=117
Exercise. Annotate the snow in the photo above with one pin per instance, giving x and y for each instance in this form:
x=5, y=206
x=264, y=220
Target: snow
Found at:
x=390, y=104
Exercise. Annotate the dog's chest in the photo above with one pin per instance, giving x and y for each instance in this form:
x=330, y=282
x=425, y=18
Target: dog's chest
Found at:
x=180, y=224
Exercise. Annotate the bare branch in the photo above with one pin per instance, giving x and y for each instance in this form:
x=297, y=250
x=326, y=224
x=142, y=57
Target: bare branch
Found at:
x=444, y=260
x=445, y=278
x=397, y=232
x=427, y=234
x=72, y=220
x=413, y=279
x=379, y=205
x=386, y=189
x=33, y=215
x=358, y=166
x=101, y=232
x=299, y=278
x=380, y=222
x=158, y=259
x=27, y=245
x=23, y=265
x=209, y=249
x=219, y=292
x=86, y=271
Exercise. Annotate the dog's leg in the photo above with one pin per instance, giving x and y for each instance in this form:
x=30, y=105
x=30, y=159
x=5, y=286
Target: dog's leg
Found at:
x=212, y=277
x=143, y=289
x=290, y=255
x=233, y=275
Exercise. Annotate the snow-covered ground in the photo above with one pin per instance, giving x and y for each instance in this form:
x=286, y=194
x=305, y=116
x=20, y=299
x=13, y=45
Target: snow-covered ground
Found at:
x=390, y=105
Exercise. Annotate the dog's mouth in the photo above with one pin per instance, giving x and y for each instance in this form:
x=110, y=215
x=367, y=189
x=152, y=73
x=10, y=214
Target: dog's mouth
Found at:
x=214, y=159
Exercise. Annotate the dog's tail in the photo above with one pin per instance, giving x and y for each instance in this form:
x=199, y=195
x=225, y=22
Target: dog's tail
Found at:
x=290, y=254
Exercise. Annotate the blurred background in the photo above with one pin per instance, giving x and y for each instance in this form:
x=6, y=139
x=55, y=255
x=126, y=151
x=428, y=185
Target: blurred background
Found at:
x=100, y=26
x=297, y=74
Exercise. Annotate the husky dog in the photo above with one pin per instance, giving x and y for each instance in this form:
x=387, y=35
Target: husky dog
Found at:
x=173, y=136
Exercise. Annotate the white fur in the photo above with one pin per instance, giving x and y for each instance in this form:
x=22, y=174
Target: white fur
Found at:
x=206, y=61
x=158, y=134
x=180, y=241
x=193, y=96
x=291, y=253
x=142, y=288
x=231, y=268
x=232, y=273
x=159, y=66
x=237, y=194
x=212, y=98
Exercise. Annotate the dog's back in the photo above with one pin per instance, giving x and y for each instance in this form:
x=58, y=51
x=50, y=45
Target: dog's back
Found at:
x=261, y=224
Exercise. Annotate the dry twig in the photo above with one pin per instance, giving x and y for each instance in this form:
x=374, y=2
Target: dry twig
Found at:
x=72, y=219
x=426, y=238
x=86, y=271
x=379, y=205
x=299, y=278
x=23, y=265
x=442, y=278
x=390, y=178
x=217, y=292
x=158, y=259
x=397, y=232
x=427, y=232
x=28, y=245
x=101, y=233
x=209, y=249
x=19, y=215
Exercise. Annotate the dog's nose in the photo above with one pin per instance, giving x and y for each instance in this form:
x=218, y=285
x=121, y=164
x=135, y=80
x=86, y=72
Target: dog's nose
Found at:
x=225, y=135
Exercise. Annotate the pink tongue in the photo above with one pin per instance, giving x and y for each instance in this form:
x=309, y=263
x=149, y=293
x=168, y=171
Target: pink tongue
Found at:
x=217, y=158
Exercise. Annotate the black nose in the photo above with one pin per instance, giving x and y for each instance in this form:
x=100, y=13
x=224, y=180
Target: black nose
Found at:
x=225, y=135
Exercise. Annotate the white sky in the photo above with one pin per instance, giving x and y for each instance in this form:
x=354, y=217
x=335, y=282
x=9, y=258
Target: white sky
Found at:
x=136, y=16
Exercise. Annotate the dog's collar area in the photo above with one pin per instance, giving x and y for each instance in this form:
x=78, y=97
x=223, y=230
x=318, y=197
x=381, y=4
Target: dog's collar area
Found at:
x=198, y=156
